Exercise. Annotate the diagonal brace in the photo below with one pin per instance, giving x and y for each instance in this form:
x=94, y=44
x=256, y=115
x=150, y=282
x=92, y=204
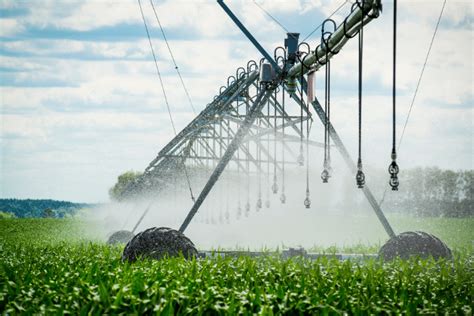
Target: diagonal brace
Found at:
x=233, y=146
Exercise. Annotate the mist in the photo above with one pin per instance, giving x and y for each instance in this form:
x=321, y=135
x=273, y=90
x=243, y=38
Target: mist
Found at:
x=339, y=214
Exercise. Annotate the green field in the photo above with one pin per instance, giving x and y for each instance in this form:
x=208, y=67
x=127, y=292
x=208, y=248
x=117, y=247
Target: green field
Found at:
x=55, y=266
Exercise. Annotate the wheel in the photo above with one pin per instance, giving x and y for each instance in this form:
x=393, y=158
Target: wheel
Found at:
x=120, y=237
x=410, y=244
x=158, y=242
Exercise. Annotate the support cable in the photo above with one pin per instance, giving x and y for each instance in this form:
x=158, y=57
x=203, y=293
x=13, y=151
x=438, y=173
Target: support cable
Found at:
x=273, y=18
x=164, y=93
x=173, y=59
x=188, y=182
x=157, y=69
x=421, y=74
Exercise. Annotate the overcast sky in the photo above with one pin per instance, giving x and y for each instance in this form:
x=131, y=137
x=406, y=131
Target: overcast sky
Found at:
x=81, y=103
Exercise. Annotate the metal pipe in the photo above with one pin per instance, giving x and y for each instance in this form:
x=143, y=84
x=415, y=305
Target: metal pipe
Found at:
x=353, y=23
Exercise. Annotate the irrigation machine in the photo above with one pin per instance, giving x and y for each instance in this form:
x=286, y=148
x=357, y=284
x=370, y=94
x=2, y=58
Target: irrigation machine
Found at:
x=250, y=129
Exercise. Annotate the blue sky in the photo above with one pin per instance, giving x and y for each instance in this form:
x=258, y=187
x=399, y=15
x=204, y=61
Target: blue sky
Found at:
x=80, y=102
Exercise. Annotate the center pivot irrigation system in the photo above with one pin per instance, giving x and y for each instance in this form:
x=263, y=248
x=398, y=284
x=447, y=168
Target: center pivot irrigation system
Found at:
x=251, y=126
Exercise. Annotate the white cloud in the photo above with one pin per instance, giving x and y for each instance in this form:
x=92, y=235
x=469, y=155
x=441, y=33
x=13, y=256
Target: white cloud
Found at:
x=279, y=6
x=9, y=27
x=94, y=14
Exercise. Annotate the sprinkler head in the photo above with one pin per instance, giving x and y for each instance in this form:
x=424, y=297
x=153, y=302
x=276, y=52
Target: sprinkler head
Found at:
x=275, y=188
x=325, y=176
x=259, y=204
x=283, y=198
x=360, y=179
x=393, y=170
x=247, y=208
x=394, y=183
x=307, y=202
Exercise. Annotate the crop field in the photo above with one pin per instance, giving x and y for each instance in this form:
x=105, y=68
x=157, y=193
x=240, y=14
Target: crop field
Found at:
x=55, y=266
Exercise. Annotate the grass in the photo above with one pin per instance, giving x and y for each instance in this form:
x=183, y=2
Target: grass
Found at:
x=51, y=266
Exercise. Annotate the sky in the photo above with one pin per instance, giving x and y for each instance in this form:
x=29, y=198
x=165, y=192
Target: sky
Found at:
x=80, y=102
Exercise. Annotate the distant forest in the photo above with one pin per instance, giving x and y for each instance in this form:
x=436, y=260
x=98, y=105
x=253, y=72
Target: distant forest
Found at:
x=40, y=208
x=424, y=192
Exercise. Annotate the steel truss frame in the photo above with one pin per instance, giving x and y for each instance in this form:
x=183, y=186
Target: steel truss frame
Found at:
x=235, y=121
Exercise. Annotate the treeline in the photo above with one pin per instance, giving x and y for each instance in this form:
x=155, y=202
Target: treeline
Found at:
x=40, y=208
x=433, y=192
x=423, y=192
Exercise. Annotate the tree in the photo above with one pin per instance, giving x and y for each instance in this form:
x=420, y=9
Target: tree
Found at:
x=48, y=213
x=123, y=181
x=6, y=215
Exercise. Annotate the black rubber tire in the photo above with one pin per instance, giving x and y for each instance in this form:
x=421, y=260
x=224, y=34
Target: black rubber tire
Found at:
x=420, y=244
x=159, y=242
x=120, y=237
